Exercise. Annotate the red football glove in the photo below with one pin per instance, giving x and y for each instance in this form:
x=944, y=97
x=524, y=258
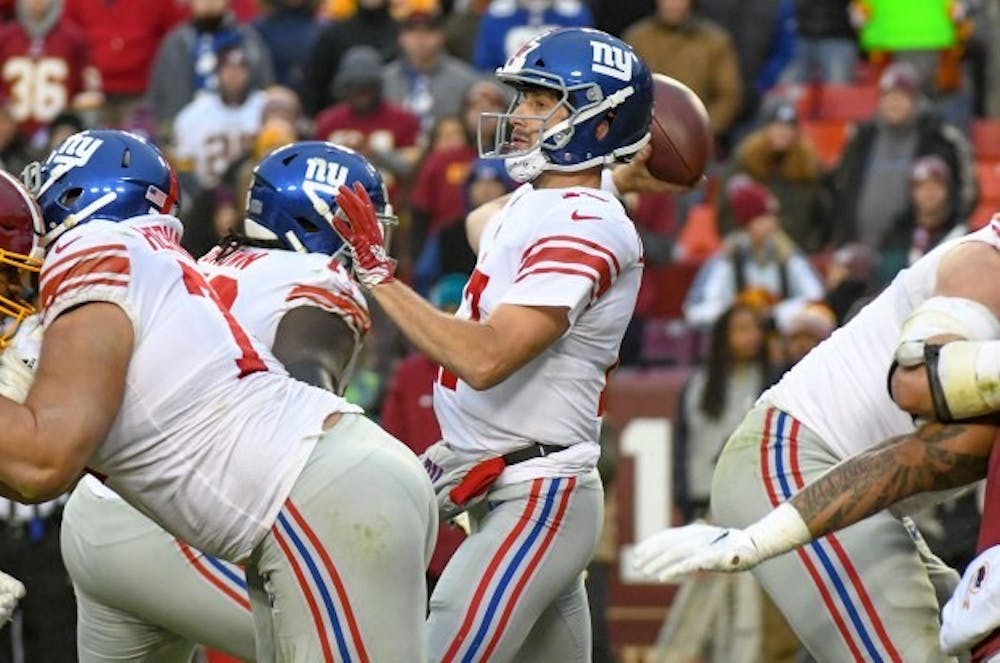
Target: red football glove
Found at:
x=358, y=226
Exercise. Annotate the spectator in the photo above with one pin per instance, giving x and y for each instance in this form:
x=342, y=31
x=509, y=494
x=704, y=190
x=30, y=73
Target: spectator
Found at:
x=438, y=193
x=63, y=126
x=870, y=185
x=46, y=66
x=614, y=16
x=407, y=413
x=826, y=50
x=780, y=157
x=370, y=26
x=289, y=30
x=757, y=261
x=186, y=61
x=714, y=401
x=696, y=52
x=850, y=280
x=446, y=250
x=424, y=79
x=123, y=36
x=461, y=26
x=809, y=327
x=212, y=133
x=509, y=24
x=385, y=133
x=14, y=152
x=928, y=221
x=763, y=52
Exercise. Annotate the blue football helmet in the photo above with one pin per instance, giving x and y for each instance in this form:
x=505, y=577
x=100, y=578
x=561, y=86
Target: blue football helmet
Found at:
x=101, y=174
x=598, y=78
x=292, y=194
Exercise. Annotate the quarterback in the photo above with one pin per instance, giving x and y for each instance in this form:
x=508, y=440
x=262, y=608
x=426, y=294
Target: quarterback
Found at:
x=524, y=362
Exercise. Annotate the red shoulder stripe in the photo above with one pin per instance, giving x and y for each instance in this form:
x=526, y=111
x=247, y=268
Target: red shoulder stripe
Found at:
x=111, y=268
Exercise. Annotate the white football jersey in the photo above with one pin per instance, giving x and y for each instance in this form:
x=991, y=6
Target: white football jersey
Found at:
x=211, y=135
x=211, y=433
x=573, y=248
x=261, y=285
x=839, y=390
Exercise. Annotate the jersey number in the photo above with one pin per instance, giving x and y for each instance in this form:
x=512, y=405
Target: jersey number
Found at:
x=226, y=288
x=249, y=361
x=37, y=87
x=473, y=291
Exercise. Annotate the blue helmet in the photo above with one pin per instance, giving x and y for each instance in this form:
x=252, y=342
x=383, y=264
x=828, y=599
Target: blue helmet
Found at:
x=292, y=195
x=104, y=174
x=599, y=79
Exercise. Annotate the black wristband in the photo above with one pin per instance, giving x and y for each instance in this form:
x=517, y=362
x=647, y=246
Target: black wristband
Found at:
x=941, y=410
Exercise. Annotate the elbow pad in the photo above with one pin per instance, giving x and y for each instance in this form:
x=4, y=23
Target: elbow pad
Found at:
x=943, y=315
x=966, y=378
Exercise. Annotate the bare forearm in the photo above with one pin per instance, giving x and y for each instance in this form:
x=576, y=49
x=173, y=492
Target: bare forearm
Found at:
x=460, y=346
x=935, y=457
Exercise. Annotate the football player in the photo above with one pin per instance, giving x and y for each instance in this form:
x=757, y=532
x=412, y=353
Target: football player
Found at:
x=147, y=380
x=141, y=592
x=526, y=358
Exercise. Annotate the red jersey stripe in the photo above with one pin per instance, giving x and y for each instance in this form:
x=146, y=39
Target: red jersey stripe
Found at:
x=332, y=301
x=104, y=265
x=573, y=258
x=573, y=239
x=76, y=255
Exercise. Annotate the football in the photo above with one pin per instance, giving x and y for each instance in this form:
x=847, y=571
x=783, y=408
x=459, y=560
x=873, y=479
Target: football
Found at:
x=680, y=136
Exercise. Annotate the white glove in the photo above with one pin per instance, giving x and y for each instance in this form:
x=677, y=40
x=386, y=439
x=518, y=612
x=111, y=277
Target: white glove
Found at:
x=19, y=360
x=11, y=591
x=973, y=611
x=678, y=551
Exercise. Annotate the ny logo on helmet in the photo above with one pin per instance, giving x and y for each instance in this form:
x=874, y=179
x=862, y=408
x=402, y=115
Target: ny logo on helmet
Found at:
x=76, y=150
x=611, y=61
x=323, y=179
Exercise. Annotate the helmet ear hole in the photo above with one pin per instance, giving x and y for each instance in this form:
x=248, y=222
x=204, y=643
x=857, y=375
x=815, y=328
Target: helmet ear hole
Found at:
x=126, y=158
x=307, y=225
x=70, y=196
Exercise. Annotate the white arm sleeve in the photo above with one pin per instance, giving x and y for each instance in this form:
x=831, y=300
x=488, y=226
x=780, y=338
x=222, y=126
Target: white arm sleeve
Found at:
x=943, y=315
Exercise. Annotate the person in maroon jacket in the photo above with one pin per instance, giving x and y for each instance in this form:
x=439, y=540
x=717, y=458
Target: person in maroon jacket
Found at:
x=385, y=133
x=407, y=414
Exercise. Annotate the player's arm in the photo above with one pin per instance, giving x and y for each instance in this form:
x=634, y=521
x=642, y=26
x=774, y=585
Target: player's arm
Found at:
x=482, y=354
x=949, y=356
x=79, y=385
x=935, y=457
x=315, y=346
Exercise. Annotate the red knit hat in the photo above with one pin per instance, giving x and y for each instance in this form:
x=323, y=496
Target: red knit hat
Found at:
x=749, y=200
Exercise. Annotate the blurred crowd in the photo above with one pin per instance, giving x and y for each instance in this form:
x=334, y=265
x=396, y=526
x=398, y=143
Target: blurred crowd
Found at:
x=851, y=136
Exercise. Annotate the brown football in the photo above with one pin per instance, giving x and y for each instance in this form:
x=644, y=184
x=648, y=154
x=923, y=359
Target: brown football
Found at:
x=682, y=141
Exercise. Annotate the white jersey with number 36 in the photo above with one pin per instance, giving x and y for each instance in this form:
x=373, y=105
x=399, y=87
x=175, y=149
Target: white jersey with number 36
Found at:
x=574, y=248
x=211, y=433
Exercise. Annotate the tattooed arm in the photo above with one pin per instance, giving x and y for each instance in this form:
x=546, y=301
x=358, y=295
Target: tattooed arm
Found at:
x=934, y=457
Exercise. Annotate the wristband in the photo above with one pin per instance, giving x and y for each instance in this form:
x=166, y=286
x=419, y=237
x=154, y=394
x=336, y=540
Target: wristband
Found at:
x=779, y=531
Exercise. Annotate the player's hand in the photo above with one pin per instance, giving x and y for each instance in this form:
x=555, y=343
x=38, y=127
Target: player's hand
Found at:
x=18, y=361
x=634, y=176
x=357, y=224
x=678, y=551
x=11, y=591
